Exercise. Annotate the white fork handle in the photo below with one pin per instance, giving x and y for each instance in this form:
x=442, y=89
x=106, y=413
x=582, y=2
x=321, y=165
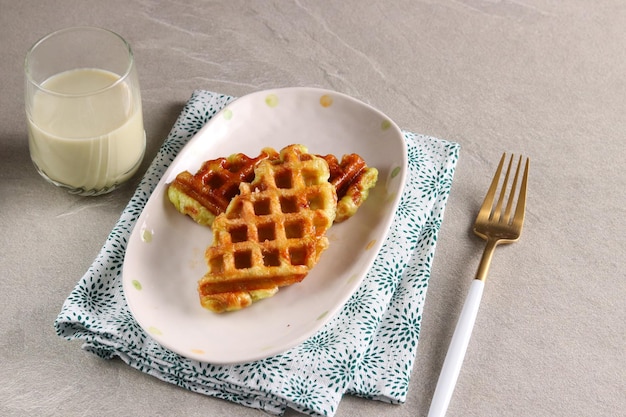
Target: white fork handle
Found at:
x=456, y=351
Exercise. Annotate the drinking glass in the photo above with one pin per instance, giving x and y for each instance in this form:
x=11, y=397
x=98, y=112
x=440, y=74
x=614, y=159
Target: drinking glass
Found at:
x=83, y=107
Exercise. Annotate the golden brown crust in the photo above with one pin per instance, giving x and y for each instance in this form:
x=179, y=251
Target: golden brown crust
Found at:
x=207, y=193
x=352, y=179
x=232, y=301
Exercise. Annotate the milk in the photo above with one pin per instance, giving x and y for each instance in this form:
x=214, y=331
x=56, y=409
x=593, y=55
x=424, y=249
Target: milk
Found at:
x=86, y=140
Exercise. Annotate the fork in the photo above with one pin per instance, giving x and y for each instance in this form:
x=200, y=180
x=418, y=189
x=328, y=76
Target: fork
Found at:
x=496, y=224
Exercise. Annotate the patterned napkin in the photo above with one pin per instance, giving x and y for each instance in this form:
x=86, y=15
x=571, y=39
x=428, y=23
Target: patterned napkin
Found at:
x=367, y=350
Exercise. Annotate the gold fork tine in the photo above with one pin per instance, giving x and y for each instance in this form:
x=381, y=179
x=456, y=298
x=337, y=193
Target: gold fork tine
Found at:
x=520, y=210
x=485, y=209
x=495, y=213
x=509, y=204
x=494, y=227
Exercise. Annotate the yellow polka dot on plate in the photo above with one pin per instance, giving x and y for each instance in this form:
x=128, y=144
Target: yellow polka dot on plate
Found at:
x=146, y=236
x=136, y=284
x=386, y=124
x=197, y=351
x=155, y=331
x=321, y=316
x=352, y=277
x=271, y=100
x=370, y=244
x=326, y=100
x=390, y=197
x=228, y=114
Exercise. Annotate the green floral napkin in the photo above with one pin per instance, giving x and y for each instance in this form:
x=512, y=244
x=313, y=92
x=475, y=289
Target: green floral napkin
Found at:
x=368, y=349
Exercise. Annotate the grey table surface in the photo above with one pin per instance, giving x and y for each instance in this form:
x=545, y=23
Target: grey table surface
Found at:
x=541, y=77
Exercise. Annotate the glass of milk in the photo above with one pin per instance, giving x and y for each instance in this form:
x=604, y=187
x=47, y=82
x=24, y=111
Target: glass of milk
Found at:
x=83, y=104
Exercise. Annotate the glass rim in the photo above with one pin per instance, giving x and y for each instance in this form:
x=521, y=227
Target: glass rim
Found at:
x=31, y=50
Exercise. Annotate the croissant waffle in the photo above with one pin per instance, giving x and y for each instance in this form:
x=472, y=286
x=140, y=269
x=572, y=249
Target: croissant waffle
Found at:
x=207, y=193
x=272, y=233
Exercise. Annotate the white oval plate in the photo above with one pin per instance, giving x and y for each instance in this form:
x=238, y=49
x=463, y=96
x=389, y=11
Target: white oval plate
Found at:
x=165, y=254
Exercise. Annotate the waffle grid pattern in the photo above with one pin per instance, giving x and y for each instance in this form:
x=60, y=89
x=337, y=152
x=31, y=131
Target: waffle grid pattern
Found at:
x=273, y=232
